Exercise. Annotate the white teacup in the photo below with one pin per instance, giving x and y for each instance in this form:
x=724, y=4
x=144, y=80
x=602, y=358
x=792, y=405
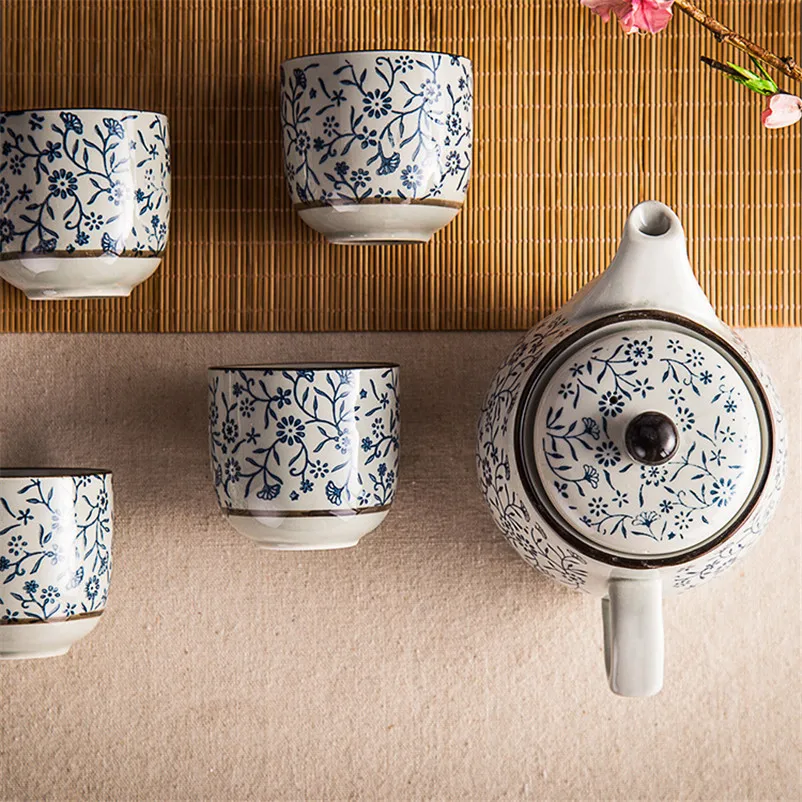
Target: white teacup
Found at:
x=304, y=456
x=84, y=200
x=377, y=143
x=55, y=557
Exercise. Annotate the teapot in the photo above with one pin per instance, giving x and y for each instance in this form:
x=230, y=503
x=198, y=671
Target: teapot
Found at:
x=631, y=446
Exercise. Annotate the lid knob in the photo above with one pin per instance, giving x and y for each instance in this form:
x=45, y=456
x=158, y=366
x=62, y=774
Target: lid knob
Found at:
x=652, y=438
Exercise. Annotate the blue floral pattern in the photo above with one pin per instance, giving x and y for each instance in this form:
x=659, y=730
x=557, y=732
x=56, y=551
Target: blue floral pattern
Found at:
x=377, y=126
x=602, y=453
x=84, y=180
x=55, y=547
x=582, y=459
x=496, y=462
x=306, y=439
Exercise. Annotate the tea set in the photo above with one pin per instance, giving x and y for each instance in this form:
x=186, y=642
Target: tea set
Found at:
x=630, y=447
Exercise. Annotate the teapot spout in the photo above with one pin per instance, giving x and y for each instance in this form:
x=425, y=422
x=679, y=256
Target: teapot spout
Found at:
x=650, y=271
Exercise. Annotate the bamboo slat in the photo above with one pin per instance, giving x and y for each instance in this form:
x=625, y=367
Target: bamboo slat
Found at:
x=575, y=123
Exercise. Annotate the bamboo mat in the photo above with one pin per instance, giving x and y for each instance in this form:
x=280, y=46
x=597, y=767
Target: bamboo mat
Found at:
x=575, y=123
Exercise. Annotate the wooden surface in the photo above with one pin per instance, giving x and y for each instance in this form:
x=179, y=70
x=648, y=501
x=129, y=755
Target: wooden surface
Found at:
x=575, y=123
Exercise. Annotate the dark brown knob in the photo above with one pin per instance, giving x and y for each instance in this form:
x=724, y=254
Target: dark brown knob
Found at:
x=652, y=438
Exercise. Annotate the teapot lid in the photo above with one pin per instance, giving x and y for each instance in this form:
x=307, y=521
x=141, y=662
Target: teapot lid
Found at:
x=644, y=437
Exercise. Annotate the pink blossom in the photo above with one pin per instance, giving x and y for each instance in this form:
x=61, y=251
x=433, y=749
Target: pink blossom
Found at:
x=783, y=110
x=647, y=16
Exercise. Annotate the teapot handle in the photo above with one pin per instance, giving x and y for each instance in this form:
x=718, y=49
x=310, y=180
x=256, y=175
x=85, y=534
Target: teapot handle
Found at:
x=633, y=636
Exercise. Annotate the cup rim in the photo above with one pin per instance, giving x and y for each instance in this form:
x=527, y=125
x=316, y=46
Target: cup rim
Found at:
x=310, y=366
x=50, y=473
x=72, y=109
x=373, y=50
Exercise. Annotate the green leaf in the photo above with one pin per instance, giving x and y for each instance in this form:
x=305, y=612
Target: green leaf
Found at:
x=760, y=82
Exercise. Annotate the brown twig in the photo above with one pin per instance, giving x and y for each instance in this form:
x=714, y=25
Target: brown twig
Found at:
x=785, y=64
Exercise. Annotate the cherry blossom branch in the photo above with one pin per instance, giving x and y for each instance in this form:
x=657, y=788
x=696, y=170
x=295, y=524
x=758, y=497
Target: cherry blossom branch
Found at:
x=785, y=64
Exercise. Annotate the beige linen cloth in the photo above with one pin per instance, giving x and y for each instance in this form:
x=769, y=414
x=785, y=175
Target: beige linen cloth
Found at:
x=428, y=663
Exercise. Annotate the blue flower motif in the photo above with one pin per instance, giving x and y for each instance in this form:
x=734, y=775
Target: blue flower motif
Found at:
x=454, y=124
x=230, y=430
x=302, y=142
x=330, y=125
x=5, y=563
x=294, y=495
x=50, y=594
x=232, y=470
x=360, y=178
x=722, y=491
x=92, y=588
x=608, y=454
x=290, y=430
x=7, y=231
x=333, y=493
x=377, y=103
x=72, y=122
x=591, y=476
x=639, y=352
x=93, y=221
x=431, y=91
x=307, y=486
x=685, y=419
x=611, y=404
x=110, y=245
x=114, y=127
x=597, y=506
x=412, y=177
x=81, y=238
x=52, y=150
x=63, y=183
x=683, y=520
x=318, y=469
x=30, y=587
x=653, y=475
x=5, y=192
x=269, y=492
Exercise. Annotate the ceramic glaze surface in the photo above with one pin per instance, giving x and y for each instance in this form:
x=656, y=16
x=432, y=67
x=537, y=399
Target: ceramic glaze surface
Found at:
x=305, y=439
x=55, y=548
x=377, y=127
x=84, y=182
x=581, y=457
x=519, y=519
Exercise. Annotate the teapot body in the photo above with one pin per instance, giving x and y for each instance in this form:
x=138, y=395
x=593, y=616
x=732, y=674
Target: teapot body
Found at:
x=631, y=447
x=533, y=536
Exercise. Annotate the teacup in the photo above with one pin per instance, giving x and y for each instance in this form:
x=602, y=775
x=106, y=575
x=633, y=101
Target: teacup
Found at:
x=55, y=557
x=304, y=456
x=84, y=200
x=377, y=143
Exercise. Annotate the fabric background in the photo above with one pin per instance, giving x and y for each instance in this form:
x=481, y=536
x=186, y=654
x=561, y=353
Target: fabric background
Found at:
x=427, y=663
